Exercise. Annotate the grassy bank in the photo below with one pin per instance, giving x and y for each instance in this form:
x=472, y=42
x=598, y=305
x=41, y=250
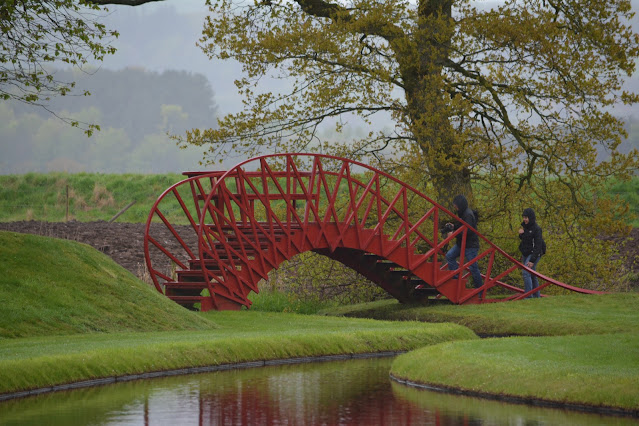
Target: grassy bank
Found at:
x=595, y=370
x=551, y=316
x=587, y=358
x=69, y=313
x=39, y=362
x=86, y=196
x=51, y=286
x=87, y=318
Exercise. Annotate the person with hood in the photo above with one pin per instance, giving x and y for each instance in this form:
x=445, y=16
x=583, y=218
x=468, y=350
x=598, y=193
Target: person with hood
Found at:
x=531, y=249
x=472, y=241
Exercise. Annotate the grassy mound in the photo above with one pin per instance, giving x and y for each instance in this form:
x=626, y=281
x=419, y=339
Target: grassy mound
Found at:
x=242, y=336
x=586, y=356
x=595, y=370
x=550, y=316
x=69, y=313
x=50, y=286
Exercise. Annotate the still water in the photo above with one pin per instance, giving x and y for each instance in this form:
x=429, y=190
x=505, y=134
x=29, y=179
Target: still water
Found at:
x=327, y=393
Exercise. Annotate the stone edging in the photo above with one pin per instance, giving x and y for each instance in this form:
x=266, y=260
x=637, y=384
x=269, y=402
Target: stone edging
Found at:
x=520, y=399
x=192, y=370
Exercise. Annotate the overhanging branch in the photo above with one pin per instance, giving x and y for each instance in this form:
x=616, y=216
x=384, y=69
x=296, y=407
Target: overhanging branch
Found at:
x=122, y=2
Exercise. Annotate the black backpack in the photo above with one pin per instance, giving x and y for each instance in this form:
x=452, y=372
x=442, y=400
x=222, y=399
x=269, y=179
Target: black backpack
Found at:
x=543, y=243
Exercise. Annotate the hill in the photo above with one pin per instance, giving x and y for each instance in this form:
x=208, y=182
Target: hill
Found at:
x=50, y=286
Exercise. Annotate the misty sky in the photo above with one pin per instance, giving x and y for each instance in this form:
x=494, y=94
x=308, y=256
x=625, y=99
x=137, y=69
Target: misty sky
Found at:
x=162, y=35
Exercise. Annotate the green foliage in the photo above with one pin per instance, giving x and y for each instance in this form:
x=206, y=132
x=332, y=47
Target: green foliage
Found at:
x=508, y=104
x=310, y=278
x=272, y=300
x=36, y=34
x=51, y=287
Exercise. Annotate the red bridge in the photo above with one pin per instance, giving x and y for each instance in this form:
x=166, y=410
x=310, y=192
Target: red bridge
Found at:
x=231, y=228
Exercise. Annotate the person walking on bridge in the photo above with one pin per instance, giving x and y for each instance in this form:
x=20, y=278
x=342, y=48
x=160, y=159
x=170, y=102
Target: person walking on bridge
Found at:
x=471, y=248
x=531, y=248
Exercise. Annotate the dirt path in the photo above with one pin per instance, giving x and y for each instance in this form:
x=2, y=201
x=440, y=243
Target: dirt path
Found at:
x=123, y=242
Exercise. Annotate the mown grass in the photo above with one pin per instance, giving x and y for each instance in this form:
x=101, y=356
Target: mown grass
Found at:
x=549, y=316
x=589, y=354
x=244, y=336
x=88, y=196
x=595, y=370
x=278, y=301
x=87, y=318
x=53, y=286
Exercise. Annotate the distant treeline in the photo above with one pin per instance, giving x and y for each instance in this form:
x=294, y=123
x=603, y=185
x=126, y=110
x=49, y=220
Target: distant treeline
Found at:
x=135, y=110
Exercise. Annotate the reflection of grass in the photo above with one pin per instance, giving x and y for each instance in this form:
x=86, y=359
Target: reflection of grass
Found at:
x=325, y=385
x=451, y=406
x=551, y=316
x=597, y=370
x=61, y=408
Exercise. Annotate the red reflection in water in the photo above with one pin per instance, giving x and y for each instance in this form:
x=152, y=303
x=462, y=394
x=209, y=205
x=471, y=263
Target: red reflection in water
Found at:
x=252, y=405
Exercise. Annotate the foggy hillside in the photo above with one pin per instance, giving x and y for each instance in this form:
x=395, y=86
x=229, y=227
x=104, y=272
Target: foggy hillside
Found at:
x=136, y=111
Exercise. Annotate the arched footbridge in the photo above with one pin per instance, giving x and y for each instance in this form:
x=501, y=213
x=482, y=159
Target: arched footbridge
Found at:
x=218, y=233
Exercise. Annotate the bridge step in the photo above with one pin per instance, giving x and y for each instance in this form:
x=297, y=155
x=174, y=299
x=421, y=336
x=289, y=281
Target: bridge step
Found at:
x=184, y=285
x=190, y=275
x=187, y=300
x=265, y=227
x=196, y=265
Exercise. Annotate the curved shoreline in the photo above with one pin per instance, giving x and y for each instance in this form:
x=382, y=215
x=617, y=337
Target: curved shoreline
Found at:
x=192, y=370
x=520, y=399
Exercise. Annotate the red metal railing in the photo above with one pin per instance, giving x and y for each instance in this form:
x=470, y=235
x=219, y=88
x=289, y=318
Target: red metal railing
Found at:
x=250, y=219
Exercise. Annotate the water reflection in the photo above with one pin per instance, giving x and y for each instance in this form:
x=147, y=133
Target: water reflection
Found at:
x=331, y=393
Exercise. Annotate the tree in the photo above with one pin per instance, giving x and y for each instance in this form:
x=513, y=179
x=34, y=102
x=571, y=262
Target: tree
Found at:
x=36, y=34
x=507, y=104
x=518, y=89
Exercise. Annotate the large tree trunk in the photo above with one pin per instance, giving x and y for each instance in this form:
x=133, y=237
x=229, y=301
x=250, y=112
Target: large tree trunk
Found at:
x=429, y=108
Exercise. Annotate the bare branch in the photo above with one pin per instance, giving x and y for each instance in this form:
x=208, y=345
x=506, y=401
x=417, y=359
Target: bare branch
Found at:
x=122, y=2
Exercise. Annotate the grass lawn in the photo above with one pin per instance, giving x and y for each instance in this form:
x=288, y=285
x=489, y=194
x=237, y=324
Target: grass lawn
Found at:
x=69, y=313
x=88, y=318
x=28, y=363
x=548, y=316
x=53, y=286
x=585, y=349
x=594, y=370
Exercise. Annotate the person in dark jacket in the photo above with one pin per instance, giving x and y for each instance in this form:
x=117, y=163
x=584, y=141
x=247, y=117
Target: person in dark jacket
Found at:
x=465, y=213
x=530, y=248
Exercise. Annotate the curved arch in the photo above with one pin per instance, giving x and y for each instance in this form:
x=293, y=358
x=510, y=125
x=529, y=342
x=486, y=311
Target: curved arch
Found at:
x=171, y=249
x=270, y=208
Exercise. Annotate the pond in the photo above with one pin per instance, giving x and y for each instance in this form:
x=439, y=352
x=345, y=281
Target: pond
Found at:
x=324, y=393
